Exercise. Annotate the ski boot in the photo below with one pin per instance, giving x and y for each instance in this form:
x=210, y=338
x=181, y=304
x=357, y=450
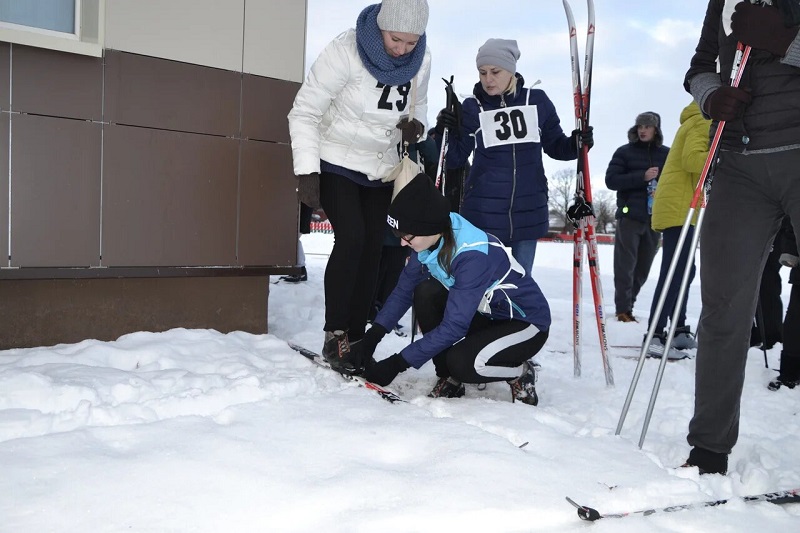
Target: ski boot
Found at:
x=524, y=387
x=447, y=388
x=336, y=351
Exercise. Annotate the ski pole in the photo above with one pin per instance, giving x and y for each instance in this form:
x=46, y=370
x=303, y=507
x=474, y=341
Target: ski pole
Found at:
x=761, y=330
x=441, y=168
x=701, y=190
x=673, y=321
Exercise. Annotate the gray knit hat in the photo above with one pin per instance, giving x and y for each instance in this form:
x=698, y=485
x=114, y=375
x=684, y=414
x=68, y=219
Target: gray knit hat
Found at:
x=501, y=53
x=406, y=16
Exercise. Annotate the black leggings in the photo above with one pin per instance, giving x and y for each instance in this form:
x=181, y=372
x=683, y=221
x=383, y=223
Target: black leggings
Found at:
x=358, y=217
x=493, y=350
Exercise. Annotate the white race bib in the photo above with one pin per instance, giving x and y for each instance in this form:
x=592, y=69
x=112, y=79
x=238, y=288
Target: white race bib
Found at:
x=387, y=99
x=510, y=125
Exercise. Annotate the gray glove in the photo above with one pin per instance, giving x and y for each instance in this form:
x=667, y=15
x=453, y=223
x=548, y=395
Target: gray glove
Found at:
x=308, y=189
x=788, y=260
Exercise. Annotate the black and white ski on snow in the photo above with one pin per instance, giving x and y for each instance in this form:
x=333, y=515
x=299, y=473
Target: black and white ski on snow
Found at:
x=778, y=498
x=318, y=360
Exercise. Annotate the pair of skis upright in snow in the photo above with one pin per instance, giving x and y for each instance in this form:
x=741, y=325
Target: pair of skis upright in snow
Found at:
x=581, y=212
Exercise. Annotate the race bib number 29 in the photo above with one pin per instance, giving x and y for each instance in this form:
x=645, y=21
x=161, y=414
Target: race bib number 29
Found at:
x=510, y=125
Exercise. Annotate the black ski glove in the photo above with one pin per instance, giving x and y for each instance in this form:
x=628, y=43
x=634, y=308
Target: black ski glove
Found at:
x=412, y=131
x=727, y=103
x=762, y=27
x=308, y=189
x=383, y=372
x=450, y=119
x=364, y=349
x=587, y=138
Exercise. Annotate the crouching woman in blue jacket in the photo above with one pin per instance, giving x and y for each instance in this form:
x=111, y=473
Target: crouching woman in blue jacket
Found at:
x=481, y=317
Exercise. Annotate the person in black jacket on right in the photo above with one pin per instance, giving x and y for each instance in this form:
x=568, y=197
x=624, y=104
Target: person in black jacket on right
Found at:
x=633, y=172
x=755, y=184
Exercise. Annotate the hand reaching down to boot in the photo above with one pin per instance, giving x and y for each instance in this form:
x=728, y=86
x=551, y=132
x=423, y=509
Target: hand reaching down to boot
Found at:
x=383, y=372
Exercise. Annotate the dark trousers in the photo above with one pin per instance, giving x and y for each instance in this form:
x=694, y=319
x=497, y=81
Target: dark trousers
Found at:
x=750, y=196
x=393, y=259
x=769, y=312
x=790, y=355
x=668, y=249
x=358, y=217
x=635, y=247
x=492, y=350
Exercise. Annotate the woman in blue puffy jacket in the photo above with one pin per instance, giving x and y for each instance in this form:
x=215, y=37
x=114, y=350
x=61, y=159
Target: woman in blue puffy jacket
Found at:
x=481, y=316
x=508, y=127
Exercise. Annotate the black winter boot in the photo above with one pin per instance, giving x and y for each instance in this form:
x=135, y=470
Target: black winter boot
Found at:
x=790, y=372
x=708, y=462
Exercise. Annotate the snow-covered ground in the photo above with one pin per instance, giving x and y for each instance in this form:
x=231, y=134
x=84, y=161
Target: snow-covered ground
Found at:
x=196, y=431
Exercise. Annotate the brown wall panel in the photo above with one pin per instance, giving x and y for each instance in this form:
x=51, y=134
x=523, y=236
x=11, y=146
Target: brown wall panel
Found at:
x=47, y=312
x=55, y=184
x=169, y=198
x=5, y=72
x=3, y=189
x=265, y=105
x=268, y=211
x=158, y=93
x=58, y=84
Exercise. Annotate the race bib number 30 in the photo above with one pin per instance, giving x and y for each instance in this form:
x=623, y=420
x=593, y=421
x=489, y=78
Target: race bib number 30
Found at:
x=510, y=125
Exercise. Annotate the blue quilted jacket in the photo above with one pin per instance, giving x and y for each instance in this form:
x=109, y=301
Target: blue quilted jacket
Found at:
x=506, y=190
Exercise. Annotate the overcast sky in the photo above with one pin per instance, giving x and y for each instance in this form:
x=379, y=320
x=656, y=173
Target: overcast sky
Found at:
x=642, y=51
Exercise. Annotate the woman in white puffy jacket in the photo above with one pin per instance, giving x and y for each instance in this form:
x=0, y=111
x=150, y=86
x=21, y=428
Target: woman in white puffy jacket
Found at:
x=346, y=125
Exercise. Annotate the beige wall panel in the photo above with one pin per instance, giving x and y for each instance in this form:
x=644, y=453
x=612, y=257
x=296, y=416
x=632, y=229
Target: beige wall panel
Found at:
x=274, y=38
x=203, y=32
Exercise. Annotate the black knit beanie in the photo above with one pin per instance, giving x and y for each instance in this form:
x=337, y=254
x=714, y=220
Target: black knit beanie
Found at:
x=419, y=209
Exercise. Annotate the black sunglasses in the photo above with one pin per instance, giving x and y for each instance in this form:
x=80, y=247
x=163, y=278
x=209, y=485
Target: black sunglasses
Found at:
x=403, y=236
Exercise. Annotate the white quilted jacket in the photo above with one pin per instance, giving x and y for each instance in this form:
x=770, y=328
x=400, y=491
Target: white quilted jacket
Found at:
x=343, y=115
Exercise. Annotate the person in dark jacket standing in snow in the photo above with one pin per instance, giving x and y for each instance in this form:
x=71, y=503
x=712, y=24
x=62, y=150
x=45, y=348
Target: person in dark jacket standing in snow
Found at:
x=481, y=316
x=755, y=185
x=633, y=172
x=508, y=127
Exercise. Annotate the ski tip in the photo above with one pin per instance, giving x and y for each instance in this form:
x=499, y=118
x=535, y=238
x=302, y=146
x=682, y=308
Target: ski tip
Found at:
x=585, y=513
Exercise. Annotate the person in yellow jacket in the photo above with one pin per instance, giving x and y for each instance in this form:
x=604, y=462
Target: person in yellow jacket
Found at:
x=673, y=196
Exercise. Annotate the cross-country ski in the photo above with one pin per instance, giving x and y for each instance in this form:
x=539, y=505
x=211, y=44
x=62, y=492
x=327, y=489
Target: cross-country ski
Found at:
x=317, y=359
x=778, y=498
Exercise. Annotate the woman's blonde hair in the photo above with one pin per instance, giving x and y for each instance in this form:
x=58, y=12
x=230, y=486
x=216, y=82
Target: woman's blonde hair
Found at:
x=512, y=85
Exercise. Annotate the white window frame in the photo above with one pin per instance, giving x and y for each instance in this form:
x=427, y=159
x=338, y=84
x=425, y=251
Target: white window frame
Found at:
x=89, y=22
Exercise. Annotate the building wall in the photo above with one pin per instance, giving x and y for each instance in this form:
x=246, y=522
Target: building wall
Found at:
x=167, y=157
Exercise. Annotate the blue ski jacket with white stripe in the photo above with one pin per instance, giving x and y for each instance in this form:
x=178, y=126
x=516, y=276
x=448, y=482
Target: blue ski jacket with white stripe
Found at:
x=484, y=278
